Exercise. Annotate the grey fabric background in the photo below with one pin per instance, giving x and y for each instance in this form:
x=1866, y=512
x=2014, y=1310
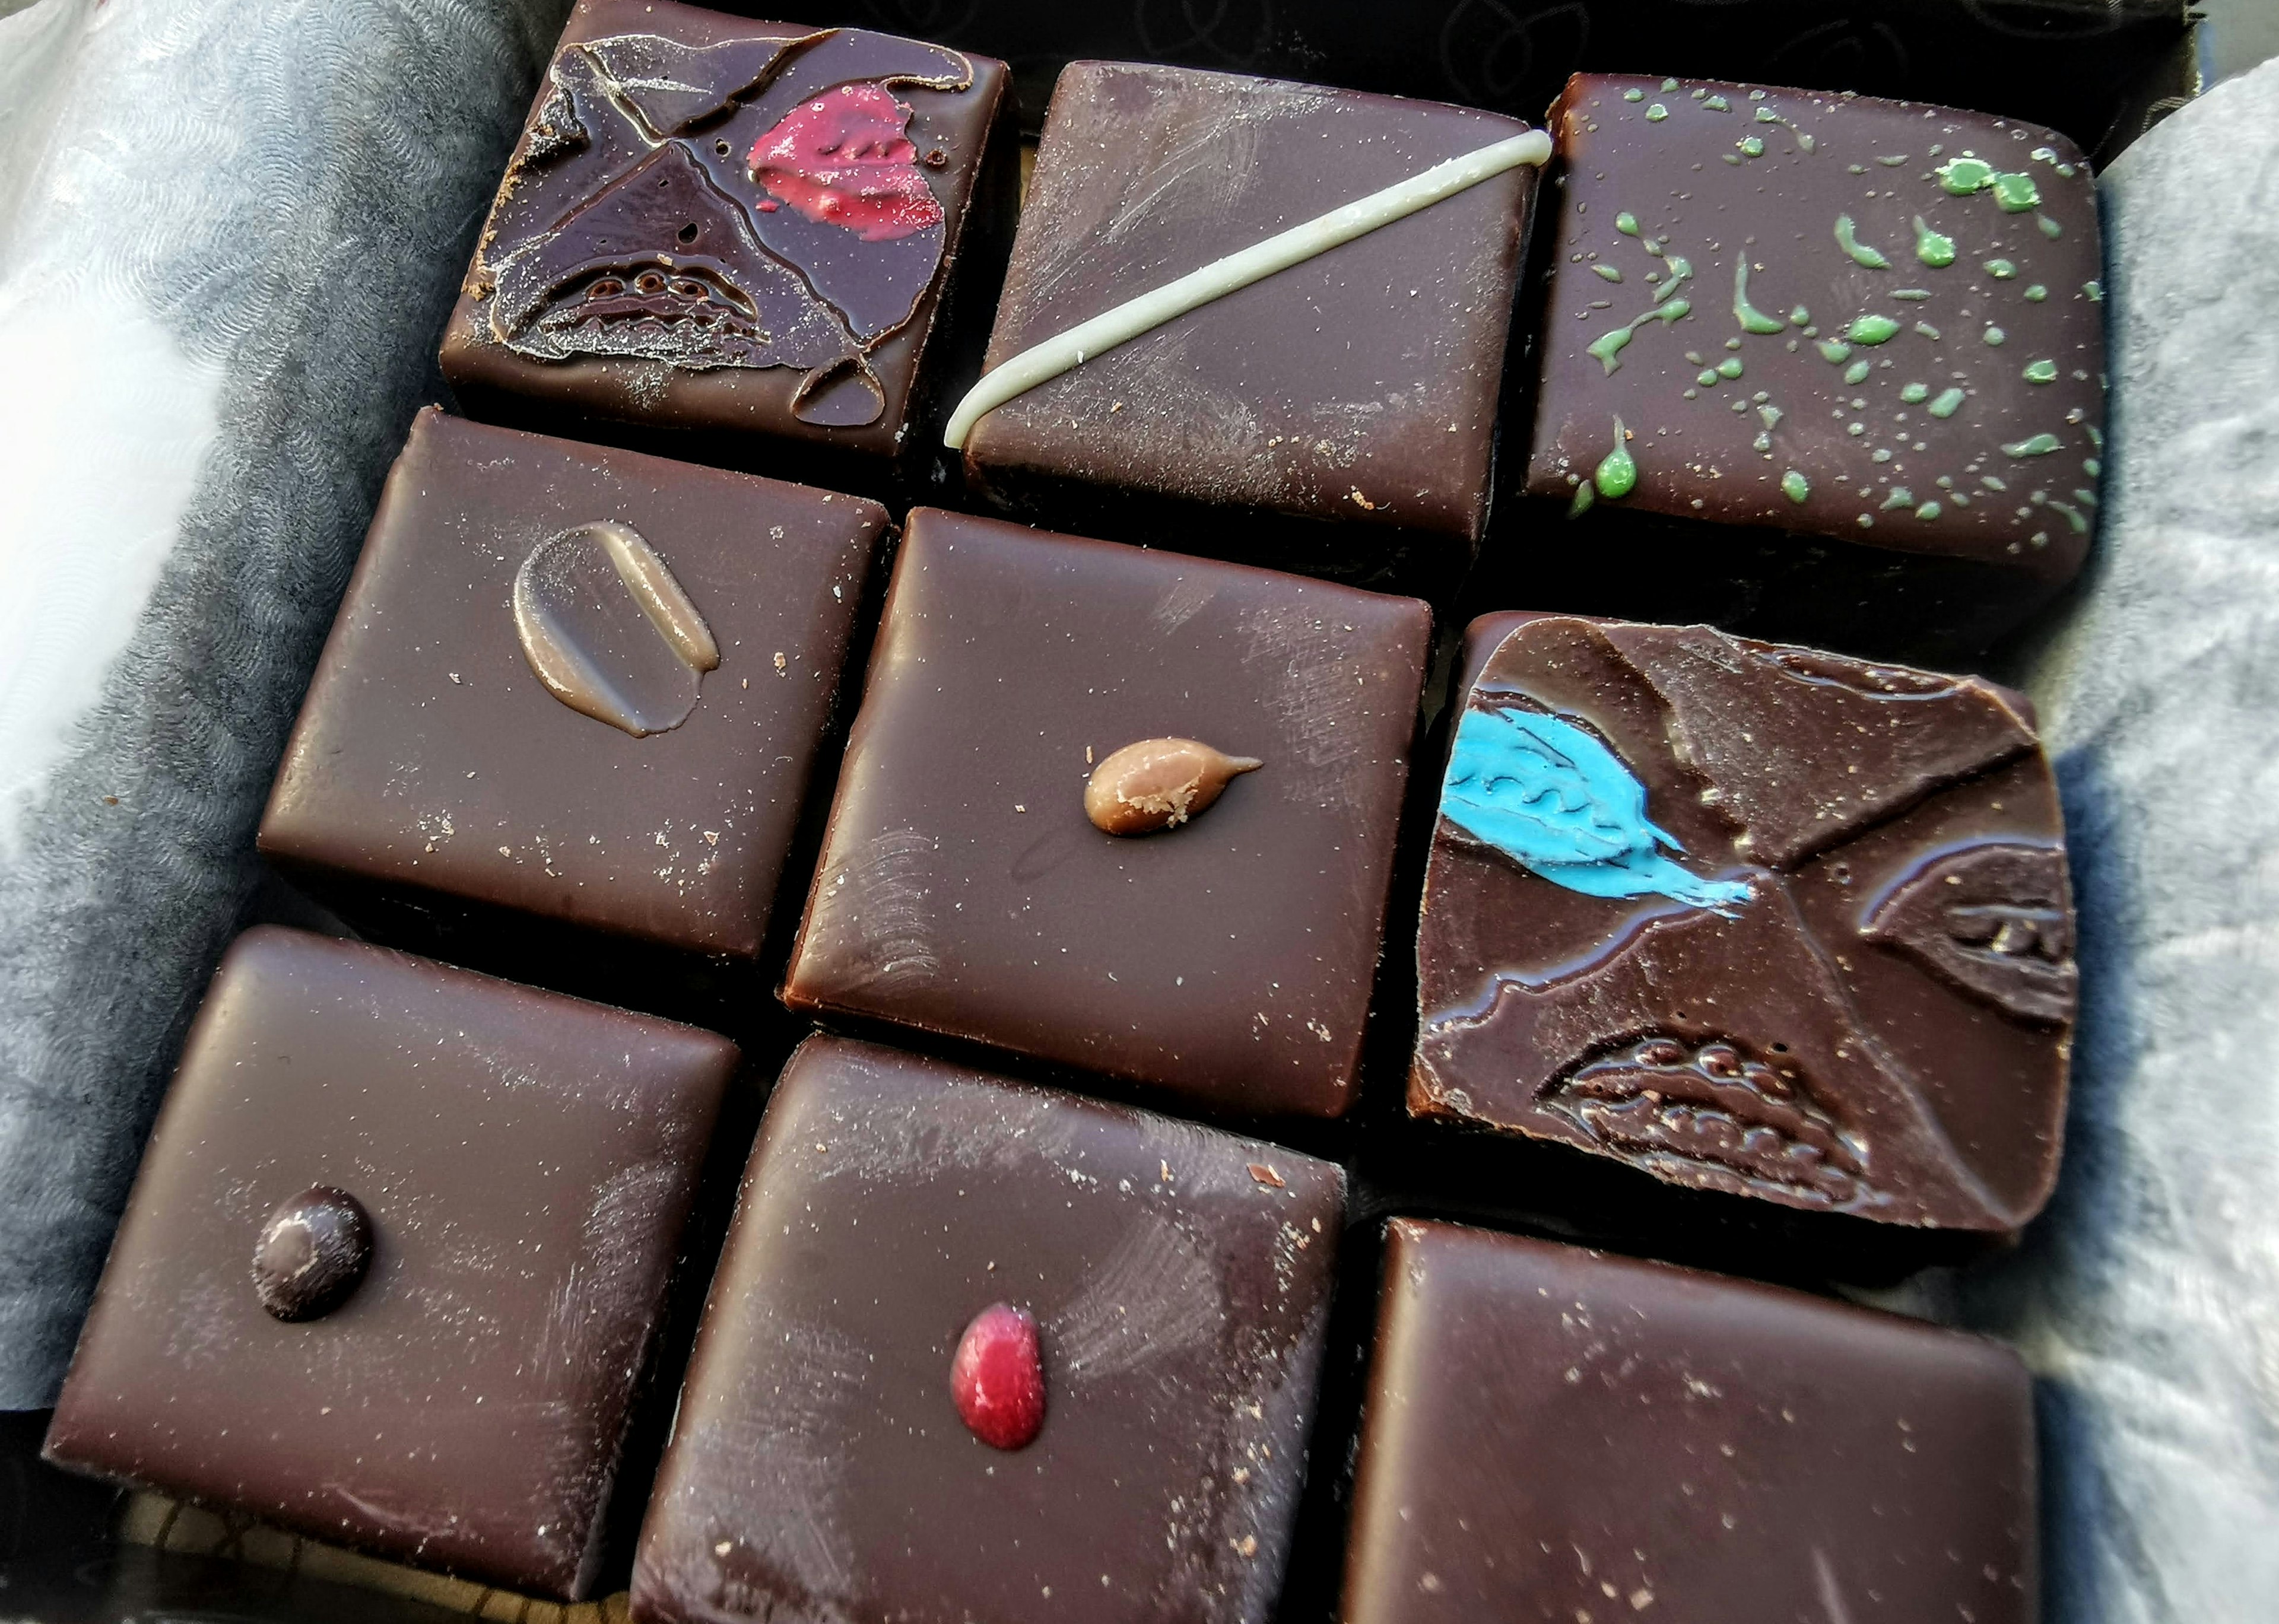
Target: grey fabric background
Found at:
x=2147, y=1298
x=291, y=190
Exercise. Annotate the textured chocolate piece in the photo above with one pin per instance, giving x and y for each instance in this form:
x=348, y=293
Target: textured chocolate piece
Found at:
x=1556, y=1434
x=528, y=1161
x=819, y=1467
x=730, y=230
x=1871, y=322
x=435, y=752
x=1751, y=918
x=963, y=891
x=1333, y=418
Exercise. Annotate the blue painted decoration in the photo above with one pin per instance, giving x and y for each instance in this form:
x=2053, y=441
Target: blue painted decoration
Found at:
x=1556, y=802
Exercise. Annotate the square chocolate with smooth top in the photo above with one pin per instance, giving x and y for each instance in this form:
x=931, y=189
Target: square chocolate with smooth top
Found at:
x=1871, y=325
x=1337, y=417
x=457, y=1392
x=1753, y=919
x=1557, y=1433
x=964, y=889
x=762, y=244
x=1174, y=1282
x=583, y=685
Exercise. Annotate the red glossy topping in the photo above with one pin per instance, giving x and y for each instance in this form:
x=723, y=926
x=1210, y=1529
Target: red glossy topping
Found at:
x=997, y=1378
x=843, y=158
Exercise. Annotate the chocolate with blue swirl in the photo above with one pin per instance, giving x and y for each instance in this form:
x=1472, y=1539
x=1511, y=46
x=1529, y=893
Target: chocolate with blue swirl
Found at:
x=1750, y=918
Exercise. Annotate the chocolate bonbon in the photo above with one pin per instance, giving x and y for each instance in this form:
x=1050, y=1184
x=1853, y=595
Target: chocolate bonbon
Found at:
x=821, y=1466
x=1872, y=325
x=524, y=1161
x=964, y=890
x=586, y=686
x=1750, y=918
x=1553, y=1433
x=1337, y=416
x=742, y=236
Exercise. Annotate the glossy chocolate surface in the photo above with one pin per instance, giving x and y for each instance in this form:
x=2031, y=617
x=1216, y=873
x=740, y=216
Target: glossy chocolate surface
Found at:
x=1358, y=388
x=963, y=890
x=1831, y=964
x=1557, y=1433
x=436, y=752
x=1179, y=1278
x=733, y=228
x=1887, y=341
x=526, y=1161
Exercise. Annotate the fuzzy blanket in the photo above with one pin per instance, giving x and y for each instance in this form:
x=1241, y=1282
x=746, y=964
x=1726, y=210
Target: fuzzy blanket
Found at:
x=229, y=232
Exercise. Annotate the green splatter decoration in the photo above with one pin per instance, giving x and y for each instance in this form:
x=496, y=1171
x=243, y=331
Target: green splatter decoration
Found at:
x=2036, y=294
x=1626, y=223
x=1585, y=494
x=1857, y=372
x=1610, y=272
x=2000, y=270
x=2015, y=193
x=1915, y=394
x=1706, y=377
x=1911, y=293
x=1962, y=176
x=1656, y=113
x=1617, y=474
x=1872, y=330
x=1633, y=95
x=1729, y=368
x=1799, y=315
x=1770, y=416
x=1947, y=405
x=1751, y=318
x=1751, y=146
x=2038, y=445
x=1995, y=336
x=2041, y=371
x=1834, y=353
x=1929, y=510
x=1794, y=485
x=1848, y=239
x=1717, y=104
x=1928, y=331
x=2094, y=291
x=2050, y=227
x=1935, y=248
x=1900, y=497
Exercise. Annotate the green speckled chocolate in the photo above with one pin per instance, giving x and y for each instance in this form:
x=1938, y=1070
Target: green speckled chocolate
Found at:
x=1913, y=309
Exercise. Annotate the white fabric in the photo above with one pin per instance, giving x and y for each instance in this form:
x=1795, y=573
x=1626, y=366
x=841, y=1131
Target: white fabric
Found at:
x=2148, y=1298
x=229, y=232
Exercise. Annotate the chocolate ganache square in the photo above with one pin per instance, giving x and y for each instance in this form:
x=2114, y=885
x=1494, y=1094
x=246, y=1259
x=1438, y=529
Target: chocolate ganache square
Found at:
x=1753, y=919
x=1553, y=1433
x=1121, y=810
x=1873, y=326
x=399, y=1246
x=981, y=1351
x=583, y=685
x=1337, y=417
x=751, y=239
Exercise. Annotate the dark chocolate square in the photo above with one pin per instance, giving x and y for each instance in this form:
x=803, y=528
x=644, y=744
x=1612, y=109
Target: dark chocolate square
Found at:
x=1356, y=391
x=1751, y=918
x=962, y=890
x=431, y=754
x=1891, y=339
x=526, y=1161
x=742, y=237
x=1179, y=1278
x=1556, y=1434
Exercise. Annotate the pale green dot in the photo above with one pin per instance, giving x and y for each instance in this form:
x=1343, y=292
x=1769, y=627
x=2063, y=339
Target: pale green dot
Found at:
x=1946, y=405
x=1669, y=84
x=1616, y=475
x=1626, y=223
x=2050, y=227
x=1834, y=353
x=1717, y=104
x=1675, y=309
x=1880, y=455
x=2040, y=445
x=1656, y=113
x=1799, y=315
x=1633, y=95
x=1965, y=175
x=1928, y=331
x=1764, y=115
x=1732, y=343
x=1584, y=495
x=1934, y=248
x=2092, y=467
x=1900, y=497
x=1929, y=510
x=1872, y=330
x=1610, y=272
x=1911, y=293
x=2015, y=193
x=1771, y=415
x=2042, y=371
x=1751, y=146
x=1915, y=393
x=1863, y=253
x=1707, y=376
x=2095, y=290
x=1606, y=346
x=2036, y=294
x=1995, y=335
x=1793, y=485
x=1857, y=372
x=2000, y=270
x=1729, y=367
